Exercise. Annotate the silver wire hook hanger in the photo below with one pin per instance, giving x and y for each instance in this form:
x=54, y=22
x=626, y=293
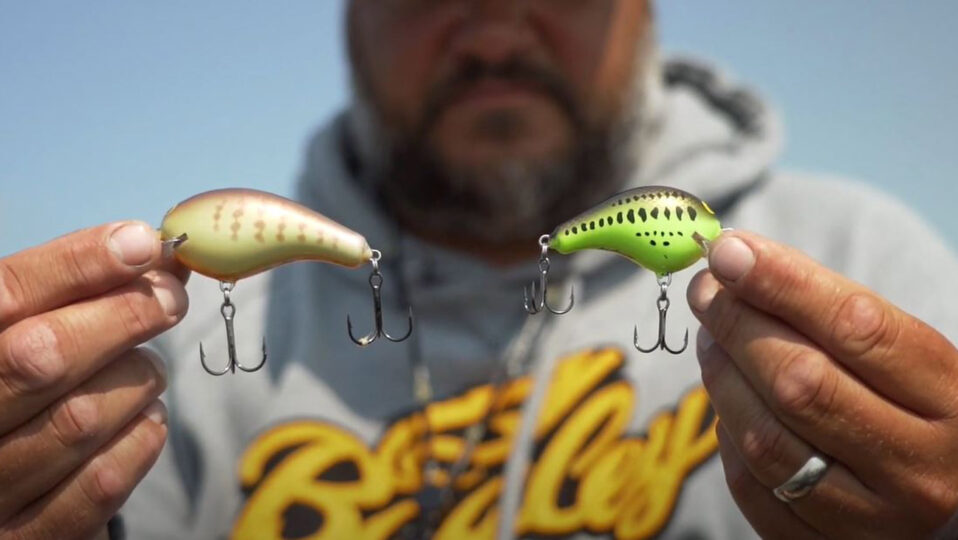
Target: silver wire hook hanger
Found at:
x=663, y=305
x=228, y=310
x=534, y=299
x=376, y=283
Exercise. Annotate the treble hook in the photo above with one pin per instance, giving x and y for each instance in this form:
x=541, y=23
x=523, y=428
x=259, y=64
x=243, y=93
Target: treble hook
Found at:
x=663, y=305
x=228, y=310
x=535, y=301
x=376, y=283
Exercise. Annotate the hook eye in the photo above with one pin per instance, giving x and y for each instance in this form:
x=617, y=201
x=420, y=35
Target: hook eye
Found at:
x=534, y=299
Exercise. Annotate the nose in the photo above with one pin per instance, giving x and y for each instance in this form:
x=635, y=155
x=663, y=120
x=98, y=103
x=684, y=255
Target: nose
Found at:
x=494, y=31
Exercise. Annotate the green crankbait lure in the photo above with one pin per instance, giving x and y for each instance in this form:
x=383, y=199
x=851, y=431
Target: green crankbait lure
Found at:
x=659, y=228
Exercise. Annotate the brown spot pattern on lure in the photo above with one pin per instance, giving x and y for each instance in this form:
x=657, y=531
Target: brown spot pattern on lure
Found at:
x=253, y=246
x=260, y=225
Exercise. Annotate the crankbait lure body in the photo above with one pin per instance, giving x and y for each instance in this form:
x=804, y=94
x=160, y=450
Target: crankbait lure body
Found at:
x=660, y=228
x=231, y=234
x=236, y=233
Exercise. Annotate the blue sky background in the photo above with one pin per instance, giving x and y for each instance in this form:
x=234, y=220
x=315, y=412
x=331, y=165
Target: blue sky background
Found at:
x=113, y=109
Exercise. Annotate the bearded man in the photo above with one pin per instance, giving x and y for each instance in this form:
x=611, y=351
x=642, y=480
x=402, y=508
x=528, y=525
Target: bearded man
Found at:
x=822, y=401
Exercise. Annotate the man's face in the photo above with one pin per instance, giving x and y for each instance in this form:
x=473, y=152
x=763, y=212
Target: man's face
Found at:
x=487, y=113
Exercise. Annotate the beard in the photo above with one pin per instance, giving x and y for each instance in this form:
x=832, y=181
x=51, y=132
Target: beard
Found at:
x=506, y=200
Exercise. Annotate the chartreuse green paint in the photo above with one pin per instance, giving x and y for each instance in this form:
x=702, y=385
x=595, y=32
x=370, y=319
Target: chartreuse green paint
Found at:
x=660, y=228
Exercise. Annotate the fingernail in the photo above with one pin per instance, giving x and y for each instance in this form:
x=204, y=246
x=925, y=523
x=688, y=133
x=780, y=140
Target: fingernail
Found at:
x=170, y=294
x=702, y=292
x=156, y=412
x=133, y=244
x=704, y=340
x=732, y=259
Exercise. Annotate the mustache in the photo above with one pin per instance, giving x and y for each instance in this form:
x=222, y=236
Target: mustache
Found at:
x=473, y=71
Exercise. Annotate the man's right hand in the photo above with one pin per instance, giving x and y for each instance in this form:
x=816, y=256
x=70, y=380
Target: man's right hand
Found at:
x=80, y=422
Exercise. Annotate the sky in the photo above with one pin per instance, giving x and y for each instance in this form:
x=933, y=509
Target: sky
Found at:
x=116, y=110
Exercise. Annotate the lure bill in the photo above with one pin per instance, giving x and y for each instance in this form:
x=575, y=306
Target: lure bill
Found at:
x=235, y=233
x=660, y=228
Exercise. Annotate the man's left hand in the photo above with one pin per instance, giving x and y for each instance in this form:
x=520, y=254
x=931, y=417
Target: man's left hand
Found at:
x=799, y=361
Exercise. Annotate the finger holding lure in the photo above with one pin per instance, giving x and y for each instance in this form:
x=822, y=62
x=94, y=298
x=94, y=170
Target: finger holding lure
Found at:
x=231, y=234
x=659, y=228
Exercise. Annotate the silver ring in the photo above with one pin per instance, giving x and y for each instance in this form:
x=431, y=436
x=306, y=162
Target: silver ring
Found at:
x=802, y=481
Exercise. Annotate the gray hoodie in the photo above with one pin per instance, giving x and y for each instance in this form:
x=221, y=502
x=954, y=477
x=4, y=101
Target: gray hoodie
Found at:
x=585, y=436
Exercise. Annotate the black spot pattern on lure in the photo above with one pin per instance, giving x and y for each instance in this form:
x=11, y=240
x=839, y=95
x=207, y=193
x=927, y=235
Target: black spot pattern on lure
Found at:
x=617, y=225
